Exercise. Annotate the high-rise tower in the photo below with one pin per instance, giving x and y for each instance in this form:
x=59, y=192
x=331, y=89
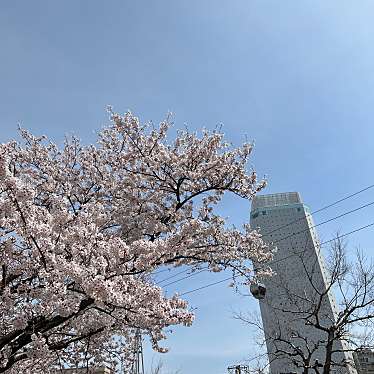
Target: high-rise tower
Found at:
x=286, y=223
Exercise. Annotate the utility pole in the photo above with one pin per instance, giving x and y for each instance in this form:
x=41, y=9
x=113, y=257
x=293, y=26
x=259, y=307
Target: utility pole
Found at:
x=238, y=369
x=138, y=364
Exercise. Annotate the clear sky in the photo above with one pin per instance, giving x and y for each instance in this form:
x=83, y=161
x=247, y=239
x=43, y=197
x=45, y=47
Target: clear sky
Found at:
x=294, y=76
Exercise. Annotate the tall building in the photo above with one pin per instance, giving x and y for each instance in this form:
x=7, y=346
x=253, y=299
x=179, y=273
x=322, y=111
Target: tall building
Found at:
x=364, y=361
x=286, y=223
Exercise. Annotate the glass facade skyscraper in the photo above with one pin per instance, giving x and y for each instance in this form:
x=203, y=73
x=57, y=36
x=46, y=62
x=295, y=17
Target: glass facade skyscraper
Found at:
x=293, y=293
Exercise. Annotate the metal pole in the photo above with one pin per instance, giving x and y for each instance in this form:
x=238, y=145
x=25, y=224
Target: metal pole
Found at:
x=138, y=365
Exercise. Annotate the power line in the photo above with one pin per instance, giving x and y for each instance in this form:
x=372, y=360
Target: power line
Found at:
x=277, y=241
x=233, y=277
x=343, y=199
x=160, y=271
x=188, y=276
x=325, y=242
x=327, y=221
x=286, y=225
x=321, y=209
x=173, y=276
x=206, y=286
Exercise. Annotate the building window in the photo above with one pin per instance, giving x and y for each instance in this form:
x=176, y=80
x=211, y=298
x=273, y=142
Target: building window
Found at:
x=264, y=212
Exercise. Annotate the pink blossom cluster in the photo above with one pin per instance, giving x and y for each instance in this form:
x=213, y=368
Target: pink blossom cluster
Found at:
x=83, y=228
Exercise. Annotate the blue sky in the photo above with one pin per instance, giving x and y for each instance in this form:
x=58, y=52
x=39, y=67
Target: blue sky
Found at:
x=294, y=76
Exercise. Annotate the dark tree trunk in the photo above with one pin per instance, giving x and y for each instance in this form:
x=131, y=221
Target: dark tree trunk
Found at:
x=328, y=357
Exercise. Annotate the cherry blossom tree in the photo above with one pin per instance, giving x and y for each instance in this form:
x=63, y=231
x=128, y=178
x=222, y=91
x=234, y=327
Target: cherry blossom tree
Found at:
x=84, y=227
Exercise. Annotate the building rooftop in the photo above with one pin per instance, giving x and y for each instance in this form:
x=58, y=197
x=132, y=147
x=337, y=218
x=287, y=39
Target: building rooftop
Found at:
x=276, y=199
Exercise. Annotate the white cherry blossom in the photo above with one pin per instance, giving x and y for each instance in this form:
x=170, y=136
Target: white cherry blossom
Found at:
x=83, y=228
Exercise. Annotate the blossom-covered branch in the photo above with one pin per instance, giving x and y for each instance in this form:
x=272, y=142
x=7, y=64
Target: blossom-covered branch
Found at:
x=82, y=228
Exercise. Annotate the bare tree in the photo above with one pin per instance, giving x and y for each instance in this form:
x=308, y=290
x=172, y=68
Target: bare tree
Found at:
x=159, y=368
x=334, y=339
